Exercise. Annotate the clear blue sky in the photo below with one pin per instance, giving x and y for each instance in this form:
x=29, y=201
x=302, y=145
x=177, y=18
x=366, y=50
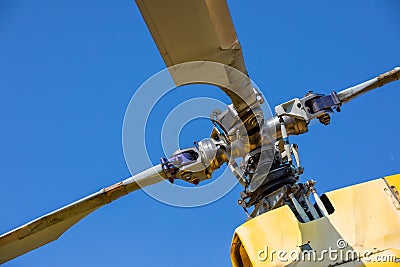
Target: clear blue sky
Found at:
x=69, y=68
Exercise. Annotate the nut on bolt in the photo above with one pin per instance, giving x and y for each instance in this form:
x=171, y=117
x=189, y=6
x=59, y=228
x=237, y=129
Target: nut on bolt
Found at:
x=325, y=119
x=187, y=175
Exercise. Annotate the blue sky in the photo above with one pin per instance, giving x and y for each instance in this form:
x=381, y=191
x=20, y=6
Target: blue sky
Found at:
x=69, y=68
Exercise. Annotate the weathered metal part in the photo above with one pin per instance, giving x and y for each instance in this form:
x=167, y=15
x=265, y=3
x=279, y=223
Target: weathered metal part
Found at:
x=237, y=172
x=284, y=175
x=169, y=169
x=319, y=203
x=51, y=226
x=295, y=152
x=197, y=163
x=325, y=119
x=285, y=139
x=364, y=219
x=326, y=102
x=299, y=208
x=293, y=126
x=210, y=154
x=273, y=200
x=350, y=93
x=293, y=108
x=311, y=208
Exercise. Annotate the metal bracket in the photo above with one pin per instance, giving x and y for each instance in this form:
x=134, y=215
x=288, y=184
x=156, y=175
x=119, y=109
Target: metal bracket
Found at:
x=293, y=108
x=169, y=169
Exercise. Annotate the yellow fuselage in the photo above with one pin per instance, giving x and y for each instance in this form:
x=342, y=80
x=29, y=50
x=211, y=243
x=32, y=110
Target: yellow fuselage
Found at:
x=363, y=229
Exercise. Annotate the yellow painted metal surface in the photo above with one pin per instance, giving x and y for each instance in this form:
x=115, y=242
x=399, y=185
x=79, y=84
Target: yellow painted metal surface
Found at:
x=363, y=230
